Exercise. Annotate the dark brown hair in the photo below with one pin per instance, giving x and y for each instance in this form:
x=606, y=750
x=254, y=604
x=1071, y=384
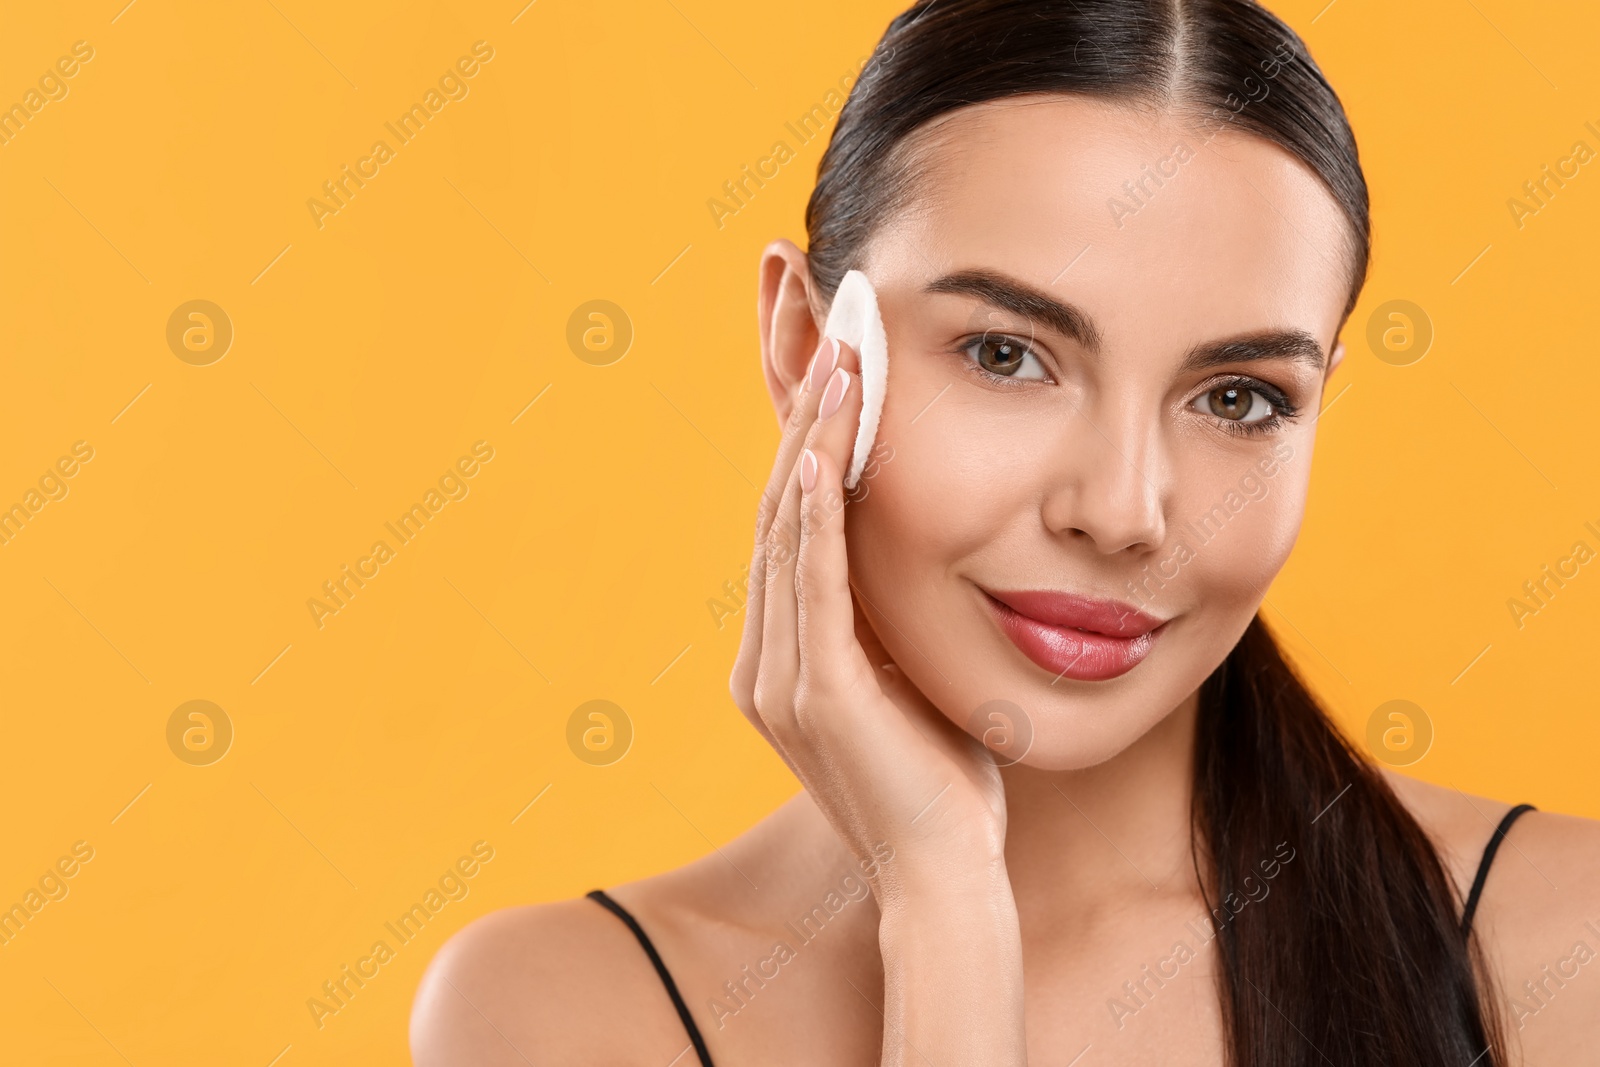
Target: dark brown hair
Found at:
x=1360, y=958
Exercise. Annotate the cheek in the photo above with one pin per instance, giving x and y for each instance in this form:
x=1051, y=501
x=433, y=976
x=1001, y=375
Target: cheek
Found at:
x=943, y=494
x=927, y=508
x=900, y=528
x=1228, y=536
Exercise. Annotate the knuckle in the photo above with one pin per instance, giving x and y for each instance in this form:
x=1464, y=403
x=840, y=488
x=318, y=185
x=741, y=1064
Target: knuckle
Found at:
x=811, y=716
x=769, y=701
x=814, y=434
x=815, y=693
x=797, y=416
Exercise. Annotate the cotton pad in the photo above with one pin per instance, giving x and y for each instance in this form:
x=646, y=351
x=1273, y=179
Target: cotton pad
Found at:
x=854, y=319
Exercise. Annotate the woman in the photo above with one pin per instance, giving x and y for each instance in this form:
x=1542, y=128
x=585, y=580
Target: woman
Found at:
x=1115, y=243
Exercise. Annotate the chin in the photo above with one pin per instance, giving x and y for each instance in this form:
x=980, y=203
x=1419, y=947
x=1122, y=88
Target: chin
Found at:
x=1055, y=750
x=1073, y=734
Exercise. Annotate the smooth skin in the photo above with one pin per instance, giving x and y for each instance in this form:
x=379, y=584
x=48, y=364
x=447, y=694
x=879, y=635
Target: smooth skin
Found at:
x=1010, y=903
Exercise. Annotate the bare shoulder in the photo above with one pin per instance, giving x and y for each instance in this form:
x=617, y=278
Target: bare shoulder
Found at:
x=569, y=982
x=1459, y=824
x=1538, y=917
x=548, y=984
x=1544, y=847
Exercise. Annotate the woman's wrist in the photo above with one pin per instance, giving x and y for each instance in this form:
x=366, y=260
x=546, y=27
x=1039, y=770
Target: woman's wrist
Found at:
x=953, y=940
x=951, y=881
x=977, y=897
x=960, y=861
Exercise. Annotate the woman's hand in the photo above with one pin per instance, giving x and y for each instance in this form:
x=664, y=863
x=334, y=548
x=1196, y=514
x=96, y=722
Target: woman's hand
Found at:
x=884, y=765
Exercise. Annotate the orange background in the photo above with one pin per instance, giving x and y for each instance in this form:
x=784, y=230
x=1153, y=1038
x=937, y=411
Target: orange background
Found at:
x=371, y=352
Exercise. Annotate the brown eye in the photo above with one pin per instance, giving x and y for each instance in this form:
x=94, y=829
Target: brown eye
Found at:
x=1005, y=357
x=1246, y=406
x=1234, y=403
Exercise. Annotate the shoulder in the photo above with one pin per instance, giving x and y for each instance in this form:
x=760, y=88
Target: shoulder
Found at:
x=550, y=984
x=1539, y=846
x=569, y=983
x=1538, y=917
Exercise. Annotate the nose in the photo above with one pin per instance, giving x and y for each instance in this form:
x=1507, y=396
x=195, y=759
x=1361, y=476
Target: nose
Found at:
x=1106, y=471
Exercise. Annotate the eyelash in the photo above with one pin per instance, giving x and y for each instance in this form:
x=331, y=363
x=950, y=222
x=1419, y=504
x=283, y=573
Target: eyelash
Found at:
x=1283, y=409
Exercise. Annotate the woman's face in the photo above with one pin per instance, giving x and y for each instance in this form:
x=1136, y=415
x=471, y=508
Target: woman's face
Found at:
x=1098, y=323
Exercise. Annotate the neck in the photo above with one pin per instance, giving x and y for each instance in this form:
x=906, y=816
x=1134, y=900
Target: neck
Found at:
x=1077, y=842
x=1081, y=840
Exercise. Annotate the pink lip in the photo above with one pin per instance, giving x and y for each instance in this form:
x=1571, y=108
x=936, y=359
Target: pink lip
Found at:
x=1073, y=636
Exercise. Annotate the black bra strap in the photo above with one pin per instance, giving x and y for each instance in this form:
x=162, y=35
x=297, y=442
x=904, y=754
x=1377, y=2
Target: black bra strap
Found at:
x=600, y=897
x=1483, y=866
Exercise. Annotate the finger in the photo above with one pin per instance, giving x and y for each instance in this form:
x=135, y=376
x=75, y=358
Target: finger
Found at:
x=825, y=627
x=742, y=680
x=827, y=356
x=779, y=659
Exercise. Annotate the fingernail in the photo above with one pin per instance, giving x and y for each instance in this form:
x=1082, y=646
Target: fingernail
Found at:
x=808, y=471
x=837, y=386
x=823, y=362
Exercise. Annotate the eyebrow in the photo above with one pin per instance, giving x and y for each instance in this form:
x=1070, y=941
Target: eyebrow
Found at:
x=1072, y=321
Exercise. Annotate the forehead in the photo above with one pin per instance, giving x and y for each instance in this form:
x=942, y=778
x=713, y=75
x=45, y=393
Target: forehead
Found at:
x=1162, y=235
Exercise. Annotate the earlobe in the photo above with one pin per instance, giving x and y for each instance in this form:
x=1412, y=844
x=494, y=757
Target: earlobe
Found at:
x=790, y=331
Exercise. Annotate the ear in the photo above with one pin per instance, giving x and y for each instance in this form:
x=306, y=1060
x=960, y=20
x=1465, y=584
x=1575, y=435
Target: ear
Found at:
x=1334, y=360
x=790, y=331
